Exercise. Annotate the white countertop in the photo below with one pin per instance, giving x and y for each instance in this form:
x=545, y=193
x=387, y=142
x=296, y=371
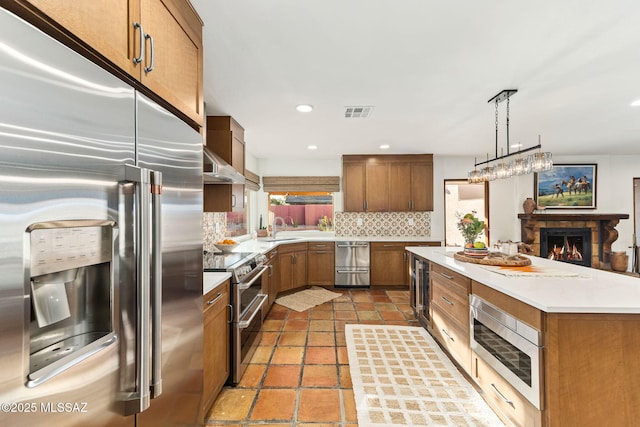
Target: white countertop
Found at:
x=212, y=279
x=593, y=291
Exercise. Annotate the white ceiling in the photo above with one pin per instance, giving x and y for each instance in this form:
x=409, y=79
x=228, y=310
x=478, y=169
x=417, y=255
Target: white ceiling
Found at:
x=428, y=67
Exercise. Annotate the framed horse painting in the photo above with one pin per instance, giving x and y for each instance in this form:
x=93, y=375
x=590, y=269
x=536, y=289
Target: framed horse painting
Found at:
x=567, y=186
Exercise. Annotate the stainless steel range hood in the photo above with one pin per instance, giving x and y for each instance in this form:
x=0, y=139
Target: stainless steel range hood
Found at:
x=217, y=171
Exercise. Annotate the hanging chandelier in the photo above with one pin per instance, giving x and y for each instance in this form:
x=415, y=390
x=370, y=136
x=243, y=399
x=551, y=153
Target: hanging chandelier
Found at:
x=510, y=164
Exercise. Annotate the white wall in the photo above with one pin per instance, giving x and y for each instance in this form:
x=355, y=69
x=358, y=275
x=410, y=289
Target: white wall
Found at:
x=614, y=192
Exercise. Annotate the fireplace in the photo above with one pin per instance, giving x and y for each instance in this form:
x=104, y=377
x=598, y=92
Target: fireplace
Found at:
x=594, y=246
x=571, y=245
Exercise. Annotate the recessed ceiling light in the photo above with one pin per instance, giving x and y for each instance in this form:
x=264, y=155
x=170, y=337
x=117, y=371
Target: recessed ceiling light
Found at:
x=312, y=147
x=304, y=108
x=385, y=146
x=636, y=103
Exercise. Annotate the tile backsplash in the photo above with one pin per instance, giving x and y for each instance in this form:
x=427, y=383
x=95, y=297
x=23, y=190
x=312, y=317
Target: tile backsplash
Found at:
x=211, y=234
x=382, y=224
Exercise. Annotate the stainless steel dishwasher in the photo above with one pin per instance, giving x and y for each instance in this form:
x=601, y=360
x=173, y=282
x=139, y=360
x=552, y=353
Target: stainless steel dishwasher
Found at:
x=352, y=264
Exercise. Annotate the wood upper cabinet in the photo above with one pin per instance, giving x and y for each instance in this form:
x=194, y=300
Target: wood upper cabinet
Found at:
x=171, y=67
x=217, y=363
x=394, y=183
x=292, y=261
x=320, y=264
x=225, y=137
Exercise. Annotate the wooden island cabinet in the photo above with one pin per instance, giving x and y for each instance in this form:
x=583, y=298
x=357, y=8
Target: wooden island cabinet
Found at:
x=157, y=44
x=588, y=330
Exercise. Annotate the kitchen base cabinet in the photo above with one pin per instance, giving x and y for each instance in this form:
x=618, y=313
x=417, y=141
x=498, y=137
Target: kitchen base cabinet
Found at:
x=217, y=334
x=292, y=262
x=320, y=264
x=271, y=279
x=390, y=262
x=453, y=338
x=505, y=400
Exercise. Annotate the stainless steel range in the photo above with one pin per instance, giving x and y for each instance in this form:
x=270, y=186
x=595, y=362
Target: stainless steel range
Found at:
x=247, y=300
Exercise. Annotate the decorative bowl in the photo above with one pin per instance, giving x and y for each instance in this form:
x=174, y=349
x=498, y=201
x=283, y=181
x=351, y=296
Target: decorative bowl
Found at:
x=474, y=252
x=225, y=248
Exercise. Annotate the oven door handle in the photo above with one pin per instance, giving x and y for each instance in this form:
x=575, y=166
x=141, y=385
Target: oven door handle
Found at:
x=243, y=286
x=243, y=324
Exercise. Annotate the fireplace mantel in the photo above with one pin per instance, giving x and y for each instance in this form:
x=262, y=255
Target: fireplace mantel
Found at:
x=603, y=228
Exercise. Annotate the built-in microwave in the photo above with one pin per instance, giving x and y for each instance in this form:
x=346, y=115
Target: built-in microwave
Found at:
x=512, y=348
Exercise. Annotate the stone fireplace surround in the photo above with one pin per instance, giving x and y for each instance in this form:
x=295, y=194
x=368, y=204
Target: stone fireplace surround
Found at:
x=603, y=232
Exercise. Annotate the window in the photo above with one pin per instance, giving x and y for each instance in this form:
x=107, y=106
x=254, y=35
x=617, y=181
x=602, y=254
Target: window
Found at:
x=302, y=210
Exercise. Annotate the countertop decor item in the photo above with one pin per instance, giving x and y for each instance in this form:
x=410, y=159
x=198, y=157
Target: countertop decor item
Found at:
x=619, y=261
x=494, y=258
x=470, y=227
x=529, y=205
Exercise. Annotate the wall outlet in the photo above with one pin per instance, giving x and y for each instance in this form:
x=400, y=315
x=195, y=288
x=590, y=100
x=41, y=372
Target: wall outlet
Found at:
x=217, y=227
x=410, y=221
x=359, y=221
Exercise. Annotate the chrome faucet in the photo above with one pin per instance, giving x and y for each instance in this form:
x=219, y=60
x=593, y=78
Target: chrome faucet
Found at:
x=275, y=223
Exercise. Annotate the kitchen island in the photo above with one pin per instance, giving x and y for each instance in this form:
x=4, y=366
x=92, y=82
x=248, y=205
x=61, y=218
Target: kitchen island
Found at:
x=588, y=324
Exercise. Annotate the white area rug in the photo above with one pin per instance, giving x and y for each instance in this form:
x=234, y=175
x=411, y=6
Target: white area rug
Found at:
x=402, y=378
x=304, y=300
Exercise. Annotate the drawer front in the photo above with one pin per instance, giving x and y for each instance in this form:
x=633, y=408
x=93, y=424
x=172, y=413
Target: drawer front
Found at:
x=386, y=246
x=452, y=277
x=454, y=339
x=217, y=298
x=292, y=247
x=449, y=299
x=503, y=398
x=321, y=246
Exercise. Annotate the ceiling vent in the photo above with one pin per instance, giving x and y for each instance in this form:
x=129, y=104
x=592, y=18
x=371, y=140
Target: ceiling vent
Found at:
x=357, y=112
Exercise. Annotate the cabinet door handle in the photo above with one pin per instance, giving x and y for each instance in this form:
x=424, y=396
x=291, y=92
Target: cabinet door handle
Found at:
x=445, y=299
x=152, y=55
x=502, y=396
x=444, y=331
x=230, y=313
x=233, y=200
x=139, y=59
x=446, y=276
x=213, y=301
x=270, y=270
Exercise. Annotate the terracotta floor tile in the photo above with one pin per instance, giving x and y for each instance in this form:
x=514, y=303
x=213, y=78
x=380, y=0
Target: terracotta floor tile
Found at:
x=321, y=325
x=340, y=337
x=372, y=322
x=345, y=315
x=274, y=404
x=319, y=376
x=361, y=297
x=299, y=315
x=405, y=308
x=345, y=297
x=272, y=324
x=365, y=306
x=392, y=315
x=293, y=338
x=269, y=338
x=278, y=312
x=321, y=338
x=386, y=306
x=319, y=406
x=349, y=402
x=381, y=298
x=262, y=354
x=320, y=356
x=368, y=315
x=342, y=306
x=232, y=404
x=287, y=355
x=399, y=323
x=296, y=325
x=345, y=377
x=343, y=358
x=252, y=376
x=322, y=314
x=283, y=376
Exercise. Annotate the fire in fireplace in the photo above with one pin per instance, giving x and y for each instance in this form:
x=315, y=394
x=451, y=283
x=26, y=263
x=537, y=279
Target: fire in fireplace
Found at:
x=571, y=245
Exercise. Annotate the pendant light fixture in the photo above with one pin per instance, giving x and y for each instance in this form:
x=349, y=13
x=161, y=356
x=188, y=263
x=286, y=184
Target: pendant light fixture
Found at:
x=503, y=167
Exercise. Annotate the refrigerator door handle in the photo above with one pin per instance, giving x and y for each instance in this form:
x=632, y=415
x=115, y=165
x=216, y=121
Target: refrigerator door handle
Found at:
x=156, y=284
x=140, y=400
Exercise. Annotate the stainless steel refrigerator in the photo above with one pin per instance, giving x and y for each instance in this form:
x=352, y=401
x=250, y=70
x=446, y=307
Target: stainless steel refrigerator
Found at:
x=100, y=245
